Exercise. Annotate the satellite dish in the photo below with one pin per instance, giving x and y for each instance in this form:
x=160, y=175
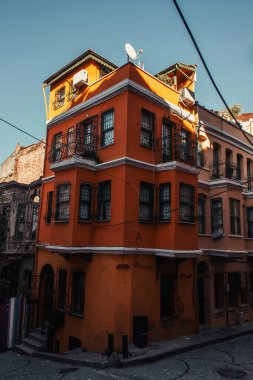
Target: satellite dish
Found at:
x=130, y=51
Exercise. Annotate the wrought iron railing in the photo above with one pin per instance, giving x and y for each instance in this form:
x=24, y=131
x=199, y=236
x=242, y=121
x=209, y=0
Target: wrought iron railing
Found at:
x=175, y=147
x=225, y=169
x=74, y=143
x=248, y=184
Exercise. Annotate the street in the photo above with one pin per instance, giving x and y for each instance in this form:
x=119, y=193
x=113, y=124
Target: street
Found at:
x=229, y=360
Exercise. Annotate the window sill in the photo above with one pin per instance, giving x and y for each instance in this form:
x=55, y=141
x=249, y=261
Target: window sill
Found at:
x=76, y=315
x=183, y=222
x=147, y=146
x=219, y=311
x=106, y=146
x=102, y=220
x=235, y=236
x=146, y=222
x=163, y=221
x=84, y=221
x=167, y=319
x=243, y=305
x=61, y=221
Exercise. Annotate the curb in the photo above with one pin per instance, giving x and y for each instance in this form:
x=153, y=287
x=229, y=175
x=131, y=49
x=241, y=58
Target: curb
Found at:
x=123, y=363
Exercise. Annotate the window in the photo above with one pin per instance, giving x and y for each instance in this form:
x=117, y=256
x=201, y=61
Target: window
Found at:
x=219, y=291
x=216, y=216
x=234, y=280
x=249, y=164
x=239, y=166
x=201, y=214
x=164, y=202
x=78, y=293
x=185, y=150
x=20, y=221
x=85, y=202
x=62, y=202
x=216, y=173
x=229, y=164
x=71, y=143
x=167, y=140
x=49, y=212
x=200, y=156
x=235, y=224
x=57, y=145
x=146, y=202
x=103, y=71
x=147, y=128
x=34, y=220
x=186, y=203
x=167, y=296
x=104, y=201
x=62, y=284
x=250, y=221
x=107, y=128
x=59, y=98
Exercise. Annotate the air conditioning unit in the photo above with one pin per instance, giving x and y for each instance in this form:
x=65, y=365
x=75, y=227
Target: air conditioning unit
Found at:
x=80, y=79
x=187, y=97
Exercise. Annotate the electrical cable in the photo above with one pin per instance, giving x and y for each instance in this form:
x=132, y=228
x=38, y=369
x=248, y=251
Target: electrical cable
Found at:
x=208, y=71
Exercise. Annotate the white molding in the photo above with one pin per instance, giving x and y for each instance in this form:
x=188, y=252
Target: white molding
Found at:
x=216, y=183
x=121, y=250
x=76, y=161
x=48, y=179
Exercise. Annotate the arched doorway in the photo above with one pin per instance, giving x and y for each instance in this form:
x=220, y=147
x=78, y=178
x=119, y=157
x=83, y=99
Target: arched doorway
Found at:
x=46, y=292
x=202, y=293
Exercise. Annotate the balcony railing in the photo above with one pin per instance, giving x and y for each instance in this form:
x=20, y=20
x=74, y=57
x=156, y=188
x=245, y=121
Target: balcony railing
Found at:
x=225, y=169
x=175, y=148
x=74, y=143
x=248, y=184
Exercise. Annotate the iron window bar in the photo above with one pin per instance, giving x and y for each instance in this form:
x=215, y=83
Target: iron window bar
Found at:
x=225, y=169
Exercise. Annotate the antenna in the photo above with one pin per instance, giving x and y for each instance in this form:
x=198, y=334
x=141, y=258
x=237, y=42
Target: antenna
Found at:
x=131, y=53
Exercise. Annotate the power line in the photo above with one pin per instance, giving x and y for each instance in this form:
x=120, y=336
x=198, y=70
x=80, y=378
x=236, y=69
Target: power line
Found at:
x=21, y=130
x=208, y=71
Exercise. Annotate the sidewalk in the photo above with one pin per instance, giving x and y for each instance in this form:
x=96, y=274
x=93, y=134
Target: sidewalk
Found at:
x=154, y=351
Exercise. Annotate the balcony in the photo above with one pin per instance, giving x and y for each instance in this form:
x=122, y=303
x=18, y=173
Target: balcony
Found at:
x=225, y=169
x=176, y=147
x=74, y=143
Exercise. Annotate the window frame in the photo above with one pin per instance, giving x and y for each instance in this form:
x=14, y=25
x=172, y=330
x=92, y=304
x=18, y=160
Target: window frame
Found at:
x=249, y=223
x=103, y=199
x=184, y=203
x=49, y=207
x=216, y=228
x=105, y=130
x=202, y=215
x=147, y=204
x=86, y=203
x=147, y=128
x=235, y=220
x=164, y=203
x=62, y=203
x=78, y=293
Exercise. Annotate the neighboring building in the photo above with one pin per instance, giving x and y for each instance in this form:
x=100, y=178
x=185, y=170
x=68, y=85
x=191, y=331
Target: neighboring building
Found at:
x=224, y=272
x=117, y=242
x=19, y=206
x=246, y=120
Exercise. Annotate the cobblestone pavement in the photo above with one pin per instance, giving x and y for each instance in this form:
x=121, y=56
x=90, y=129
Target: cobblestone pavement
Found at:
x=230, y=360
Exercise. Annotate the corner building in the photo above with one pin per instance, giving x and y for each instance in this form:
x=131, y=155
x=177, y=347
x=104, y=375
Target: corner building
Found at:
x=117, y=239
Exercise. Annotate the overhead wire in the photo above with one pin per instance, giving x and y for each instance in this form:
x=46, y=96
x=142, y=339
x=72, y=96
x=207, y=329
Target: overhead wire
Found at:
x=208, y=71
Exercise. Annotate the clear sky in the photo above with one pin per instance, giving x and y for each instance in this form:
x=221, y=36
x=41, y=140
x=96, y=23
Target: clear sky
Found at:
x=39, y=37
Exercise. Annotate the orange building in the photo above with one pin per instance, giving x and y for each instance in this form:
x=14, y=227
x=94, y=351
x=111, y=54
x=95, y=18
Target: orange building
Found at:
x=118, y=237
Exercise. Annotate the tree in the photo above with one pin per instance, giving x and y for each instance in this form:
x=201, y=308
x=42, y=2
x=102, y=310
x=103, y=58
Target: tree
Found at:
x=236, y=110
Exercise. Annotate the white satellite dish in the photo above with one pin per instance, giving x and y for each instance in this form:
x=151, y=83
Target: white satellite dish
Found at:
x=130, y=51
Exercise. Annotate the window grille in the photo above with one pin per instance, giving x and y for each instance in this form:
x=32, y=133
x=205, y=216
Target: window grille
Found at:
x=107, y=130
x=235, y=224
x=216, y=216
x=57, y=147
x=147, y=128
x=85, y=202
x=20, y=221
x=49, y=210
x=186, y=203
x=164, y=202
x=59, y=98
x=104, y=201
x=250, y=221
x=62, y=201
x=201, y=214
x=146, y=202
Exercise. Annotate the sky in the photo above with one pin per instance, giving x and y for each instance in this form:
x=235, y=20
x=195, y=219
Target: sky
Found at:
x=39, y=37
